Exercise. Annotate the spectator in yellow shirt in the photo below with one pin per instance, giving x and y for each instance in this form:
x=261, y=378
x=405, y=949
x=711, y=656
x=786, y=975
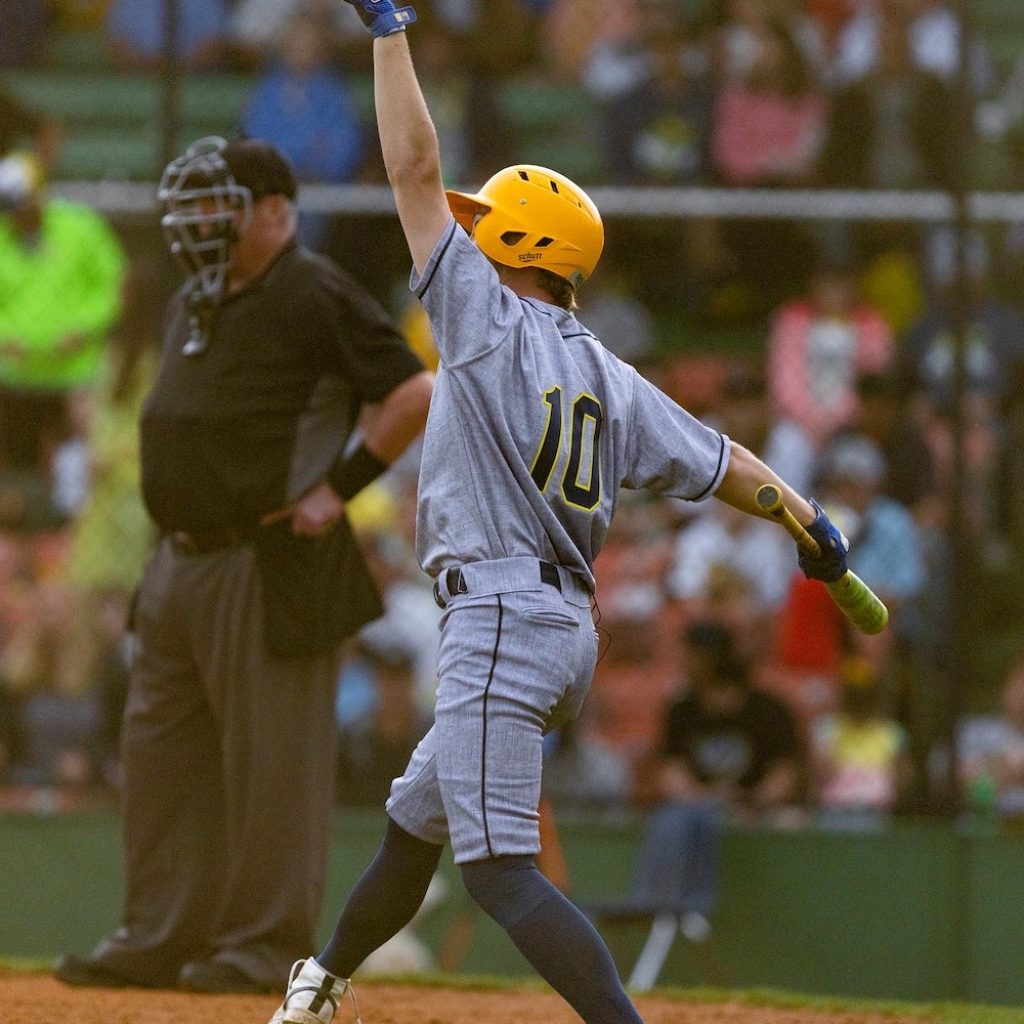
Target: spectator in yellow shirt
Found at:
x=61, y=267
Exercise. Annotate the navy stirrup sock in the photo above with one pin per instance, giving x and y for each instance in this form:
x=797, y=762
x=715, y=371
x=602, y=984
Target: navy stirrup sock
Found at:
x=554, y=935
x=383, y=901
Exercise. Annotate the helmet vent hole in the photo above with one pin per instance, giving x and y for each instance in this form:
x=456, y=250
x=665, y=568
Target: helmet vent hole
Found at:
x=512, y=238
x=524, y=176
x=543, y=243
x=554, y=186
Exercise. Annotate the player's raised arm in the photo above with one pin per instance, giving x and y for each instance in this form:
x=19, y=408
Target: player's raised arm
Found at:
x=407, y=137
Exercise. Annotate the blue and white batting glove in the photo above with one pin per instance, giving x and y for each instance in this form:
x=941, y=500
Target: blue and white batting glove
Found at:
x=831, y=563
x=382, y=17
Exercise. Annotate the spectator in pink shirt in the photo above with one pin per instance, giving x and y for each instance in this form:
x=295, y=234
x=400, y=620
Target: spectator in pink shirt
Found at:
x=769, y=127
x=818, y=347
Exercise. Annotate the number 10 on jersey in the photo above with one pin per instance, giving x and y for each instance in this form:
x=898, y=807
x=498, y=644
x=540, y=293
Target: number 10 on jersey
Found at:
x=581, y=478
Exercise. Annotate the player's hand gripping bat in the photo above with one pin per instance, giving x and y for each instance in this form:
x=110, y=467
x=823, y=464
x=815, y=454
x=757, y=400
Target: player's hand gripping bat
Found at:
x=854, y=597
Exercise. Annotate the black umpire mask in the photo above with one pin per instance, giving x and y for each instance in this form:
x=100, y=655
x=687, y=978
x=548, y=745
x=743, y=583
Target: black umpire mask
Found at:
x=203, y=208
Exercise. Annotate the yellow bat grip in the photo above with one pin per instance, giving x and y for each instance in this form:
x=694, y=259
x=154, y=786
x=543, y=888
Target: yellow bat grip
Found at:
x=769, y=497
x=852, y=595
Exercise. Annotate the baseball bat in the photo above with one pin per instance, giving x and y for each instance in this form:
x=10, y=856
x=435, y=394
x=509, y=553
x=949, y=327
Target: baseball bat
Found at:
x=854, y=597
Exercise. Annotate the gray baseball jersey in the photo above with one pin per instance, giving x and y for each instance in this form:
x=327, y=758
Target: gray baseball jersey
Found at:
x=534, y=426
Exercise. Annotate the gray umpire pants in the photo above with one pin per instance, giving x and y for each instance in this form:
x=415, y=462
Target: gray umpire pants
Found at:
x=229, y=759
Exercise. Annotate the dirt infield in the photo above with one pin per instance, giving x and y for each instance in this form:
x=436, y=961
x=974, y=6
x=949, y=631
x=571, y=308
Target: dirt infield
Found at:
x=38, y=999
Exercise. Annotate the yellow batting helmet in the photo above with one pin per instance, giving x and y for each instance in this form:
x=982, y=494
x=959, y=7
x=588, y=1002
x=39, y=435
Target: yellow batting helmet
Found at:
x=534, y=217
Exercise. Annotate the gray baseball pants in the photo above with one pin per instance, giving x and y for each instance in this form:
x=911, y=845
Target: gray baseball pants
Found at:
x=515, y=660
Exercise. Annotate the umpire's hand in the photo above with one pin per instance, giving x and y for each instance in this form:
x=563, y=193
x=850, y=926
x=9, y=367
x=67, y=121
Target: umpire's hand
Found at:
x=317, y=511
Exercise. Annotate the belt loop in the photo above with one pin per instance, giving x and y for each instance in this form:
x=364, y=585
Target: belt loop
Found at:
x=549, y=575
x=455, y=583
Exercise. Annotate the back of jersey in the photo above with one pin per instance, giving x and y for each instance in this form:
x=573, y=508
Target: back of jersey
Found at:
x=534, y=426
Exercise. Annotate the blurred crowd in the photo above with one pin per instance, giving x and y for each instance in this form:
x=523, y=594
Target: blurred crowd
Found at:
x=843, y=94
x=724, y=674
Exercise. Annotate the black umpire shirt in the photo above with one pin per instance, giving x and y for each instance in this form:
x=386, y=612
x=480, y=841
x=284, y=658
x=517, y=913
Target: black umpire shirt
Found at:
x=262, y=414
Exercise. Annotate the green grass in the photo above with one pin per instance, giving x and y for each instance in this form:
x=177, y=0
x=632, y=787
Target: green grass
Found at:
x=13, y=963
x=933, y=1013
x=929, y=1013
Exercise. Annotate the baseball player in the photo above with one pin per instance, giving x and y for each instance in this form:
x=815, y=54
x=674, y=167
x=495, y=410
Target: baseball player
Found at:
x=532, y=430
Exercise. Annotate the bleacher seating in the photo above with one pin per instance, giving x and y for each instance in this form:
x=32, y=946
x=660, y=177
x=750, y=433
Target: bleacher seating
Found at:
x=112, y=118
x=1000, y=24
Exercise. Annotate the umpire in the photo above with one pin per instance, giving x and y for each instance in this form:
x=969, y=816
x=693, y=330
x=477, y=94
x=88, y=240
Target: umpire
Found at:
x=249, y=454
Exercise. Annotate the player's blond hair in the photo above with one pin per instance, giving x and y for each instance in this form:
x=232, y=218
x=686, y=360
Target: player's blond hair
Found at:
x=562, y=291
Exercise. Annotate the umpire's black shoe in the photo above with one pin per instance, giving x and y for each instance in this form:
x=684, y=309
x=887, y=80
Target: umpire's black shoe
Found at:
x=87, y=973
x=216, y=976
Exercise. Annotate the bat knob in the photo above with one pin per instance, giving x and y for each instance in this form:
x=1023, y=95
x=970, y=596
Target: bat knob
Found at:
x=769, y=497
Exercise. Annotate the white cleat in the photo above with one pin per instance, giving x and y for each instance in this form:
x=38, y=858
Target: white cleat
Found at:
x=313, y=996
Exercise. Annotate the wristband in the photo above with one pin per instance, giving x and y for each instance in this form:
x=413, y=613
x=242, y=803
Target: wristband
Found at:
x=390, y=22
x=382, y=17
x=362, y=467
